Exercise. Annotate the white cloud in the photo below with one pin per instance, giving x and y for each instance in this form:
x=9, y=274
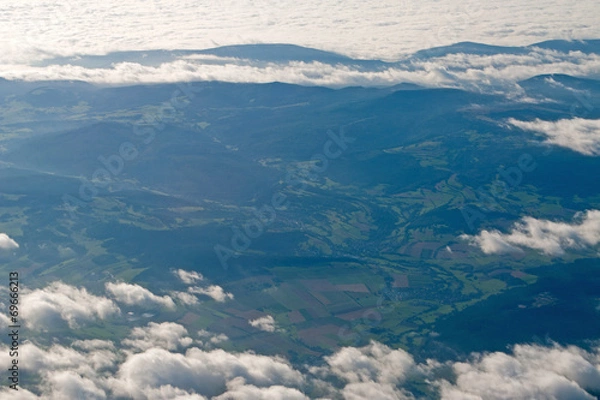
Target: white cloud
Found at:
x=372, y=363
x=198, y=371
x=22, y=394
x=167, y=335
x=531, y=372
x=188, y=277
x=132, y=294
x=4, y=320
x=548, y=237
x=266, y=323
x=211, y=338
x=385, y=29
x=373, y=390
x=97, y=370
x=214, y=291
x=578, y=134
x=6, y=243
x=185, y=298
x=69, y=385
x=238, y=390
x=487, y=73
x=373, y=371
x=43, y=308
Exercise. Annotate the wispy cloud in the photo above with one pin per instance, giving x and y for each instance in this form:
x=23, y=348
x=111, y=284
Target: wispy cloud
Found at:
x=578, y=134
x=483, y=73
x=548, y=237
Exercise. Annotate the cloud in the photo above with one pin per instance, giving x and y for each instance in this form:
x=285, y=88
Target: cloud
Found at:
x=132, y=294
x=185, y=298
x=372, y=363
x=44, y=308
x=211, y=338
x=6, y=243
x=188, y=277
x=97, y=369
x=386, y=29
x=215, y=292
x=373, y=390
x=578, y=134
x=167, y=335
x=496, y=73
x=548, y=237
x=199, y=372
x=266, y=323
x=69, y=385
x=531, y=372
x=238, y=390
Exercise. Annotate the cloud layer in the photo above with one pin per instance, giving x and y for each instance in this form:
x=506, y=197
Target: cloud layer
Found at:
x=548, y=237
x=384, y=29
x=578, y=134
x=497, y=73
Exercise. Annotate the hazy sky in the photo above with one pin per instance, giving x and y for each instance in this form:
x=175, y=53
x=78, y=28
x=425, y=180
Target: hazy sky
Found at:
x=384, y=29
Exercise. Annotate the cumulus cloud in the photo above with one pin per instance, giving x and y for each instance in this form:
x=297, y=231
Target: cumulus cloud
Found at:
x=96, y=369
x=266, y=323
x=531, y=372
x=167, y=335
x=200, y=372
x=547, y=237
x=239, y=390
x=44, y=308
x=214, y=291
x=578, y=134
x=6, y=243
x=188, y=277
x=69, y=385
x=185, y=298
x=210, y=338
x=372, y=363
x=132, y=294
